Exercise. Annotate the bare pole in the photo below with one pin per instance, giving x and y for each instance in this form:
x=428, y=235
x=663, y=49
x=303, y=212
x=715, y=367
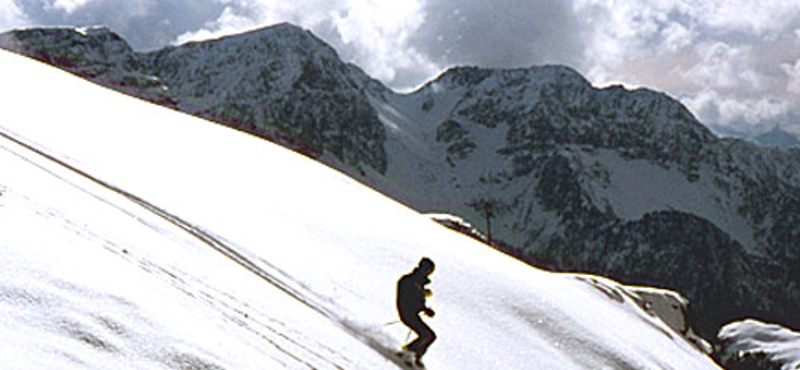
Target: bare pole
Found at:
x=488, y=210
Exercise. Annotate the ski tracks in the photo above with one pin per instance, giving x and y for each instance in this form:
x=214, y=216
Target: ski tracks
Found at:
x=205, y=236
x=263, y=269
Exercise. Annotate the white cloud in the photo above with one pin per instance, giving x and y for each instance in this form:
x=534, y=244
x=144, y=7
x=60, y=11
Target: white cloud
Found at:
x=376, y=35
x=793, y=75
x=730, y=61
x=677, y=36
x=69, y=6
x=621, y=30
x=11, y=16
x=717, y=65
x=751, y=111
x=743, y=114
x=753, y=17
x=228, y=23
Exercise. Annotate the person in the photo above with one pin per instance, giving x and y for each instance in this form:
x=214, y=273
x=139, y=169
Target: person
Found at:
x=411, y=294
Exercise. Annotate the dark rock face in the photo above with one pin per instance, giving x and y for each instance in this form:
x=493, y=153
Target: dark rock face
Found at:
x=687, y=254
x=752, y=361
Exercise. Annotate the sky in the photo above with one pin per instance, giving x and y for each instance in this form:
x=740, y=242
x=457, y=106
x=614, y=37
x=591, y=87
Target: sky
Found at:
x=734, y=63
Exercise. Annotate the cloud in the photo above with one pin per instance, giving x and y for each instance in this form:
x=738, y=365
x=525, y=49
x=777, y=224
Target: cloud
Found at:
x=376, y=36
x=760, y=18
x=499, y=33
x=793, y=75
x=69, y=6
x=732, y=62
x=743, y=114
x=11, y=15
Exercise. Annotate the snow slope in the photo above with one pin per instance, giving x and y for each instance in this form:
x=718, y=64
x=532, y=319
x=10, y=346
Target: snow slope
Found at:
x=135, y=236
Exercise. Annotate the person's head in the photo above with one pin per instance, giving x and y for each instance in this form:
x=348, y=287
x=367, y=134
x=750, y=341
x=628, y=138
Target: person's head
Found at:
x=426, y=266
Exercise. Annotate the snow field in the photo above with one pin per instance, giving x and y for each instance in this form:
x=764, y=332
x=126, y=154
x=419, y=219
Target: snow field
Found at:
x=183, y=244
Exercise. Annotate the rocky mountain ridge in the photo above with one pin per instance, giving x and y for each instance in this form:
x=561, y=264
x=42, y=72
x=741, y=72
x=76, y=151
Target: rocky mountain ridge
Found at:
x=622, y=183
x=233, y=81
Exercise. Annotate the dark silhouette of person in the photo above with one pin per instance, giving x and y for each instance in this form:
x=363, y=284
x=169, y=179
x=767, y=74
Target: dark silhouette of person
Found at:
x=411, y=294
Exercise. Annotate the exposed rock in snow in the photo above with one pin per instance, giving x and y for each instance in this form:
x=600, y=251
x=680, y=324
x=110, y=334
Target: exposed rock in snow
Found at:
x=751, y=344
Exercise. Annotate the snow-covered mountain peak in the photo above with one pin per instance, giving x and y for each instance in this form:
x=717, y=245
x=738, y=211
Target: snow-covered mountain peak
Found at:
x=554, y=105
x=488, y=78
x=100, y=33
x=564, y=92
x=268, y=43
x=282, y=83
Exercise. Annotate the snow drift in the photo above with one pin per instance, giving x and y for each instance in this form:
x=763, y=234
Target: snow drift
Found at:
x=135, y=236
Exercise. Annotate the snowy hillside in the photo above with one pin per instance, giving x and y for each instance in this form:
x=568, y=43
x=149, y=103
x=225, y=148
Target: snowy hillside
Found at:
x=626, y=184
x=137, y=237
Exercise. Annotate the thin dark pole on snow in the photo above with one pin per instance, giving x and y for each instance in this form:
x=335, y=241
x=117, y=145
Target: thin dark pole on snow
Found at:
x=488, y=209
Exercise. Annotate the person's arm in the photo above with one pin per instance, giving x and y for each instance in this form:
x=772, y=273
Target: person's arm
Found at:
x=425, y=294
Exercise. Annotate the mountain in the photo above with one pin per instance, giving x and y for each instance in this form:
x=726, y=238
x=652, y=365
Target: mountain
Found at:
x=626, y=184
x=281, y=83
x=629, y=180
x=778, y=138
x=95, y=53
x=123, y=249
x=775, y=137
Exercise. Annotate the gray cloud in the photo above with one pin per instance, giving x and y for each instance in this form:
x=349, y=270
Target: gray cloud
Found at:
x=500, y=33
x=11, y=15
x=731, y=62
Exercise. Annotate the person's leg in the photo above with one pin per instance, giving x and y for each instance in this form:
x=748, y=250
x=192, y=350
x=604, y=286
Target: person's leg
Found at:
x=426, y=338
x=418, y=327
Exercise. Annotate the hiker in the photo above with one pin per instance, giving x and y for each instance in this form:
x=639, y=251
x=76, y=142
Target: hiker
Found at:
x=411, y=294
